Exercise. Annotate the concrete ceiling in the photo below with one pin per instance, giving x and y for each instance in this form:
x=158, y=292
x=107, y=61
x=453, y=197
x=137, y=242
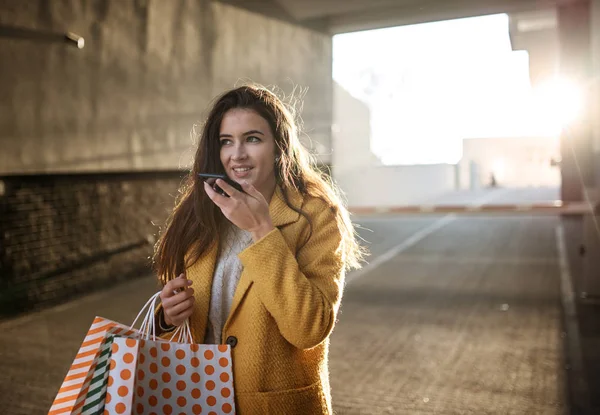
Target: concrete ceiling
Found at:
x=340, y=16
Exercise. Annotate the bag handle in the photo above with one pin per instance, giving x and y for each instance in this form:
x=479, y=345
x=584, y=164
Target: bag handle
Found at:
x=182, y=334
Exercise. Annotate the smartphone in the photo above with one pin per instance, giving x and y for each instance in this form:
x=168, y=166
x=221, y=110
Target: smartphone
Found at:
x=211, y=178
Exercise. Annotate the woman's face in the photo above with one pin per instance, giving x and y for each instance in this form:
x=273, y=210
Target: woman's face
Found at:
x=248, y=149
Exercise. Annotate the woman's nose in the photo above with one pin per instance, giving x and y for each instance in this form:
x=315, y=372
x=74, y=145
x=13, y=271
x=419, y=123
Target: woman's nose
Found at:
x=240, y=153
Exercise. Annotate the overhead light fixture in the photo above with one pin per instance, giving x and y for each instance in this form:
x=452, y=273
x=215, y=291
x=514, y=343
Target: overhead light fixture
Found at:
x=70, y=38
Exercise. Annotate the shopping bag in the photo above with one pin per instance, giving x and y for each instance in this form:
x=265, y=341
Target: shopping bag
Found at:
x=85, y=382
x=95, y=399
x=73, y=391
x=149, y=376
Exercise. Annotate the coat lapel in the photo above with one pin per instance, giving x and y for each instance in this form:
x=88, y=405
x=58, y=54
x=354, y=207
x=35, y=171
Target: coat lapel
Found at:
x=281, y=215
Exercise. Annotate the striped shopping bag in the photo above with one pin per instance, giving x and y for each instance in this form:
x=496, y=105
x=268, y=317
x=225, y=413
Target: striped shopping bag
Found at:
x=96, y=393
x=73, y=392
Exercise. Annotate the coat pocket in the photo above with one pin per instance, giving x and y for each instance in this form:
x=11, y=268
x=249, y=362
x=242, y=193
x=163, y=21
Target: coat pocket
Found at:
x=310, y=399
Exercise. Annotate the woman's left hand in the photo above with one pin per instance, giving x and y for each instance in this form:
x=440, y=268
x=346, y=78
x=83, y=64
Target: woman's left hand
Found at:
x=248, y=211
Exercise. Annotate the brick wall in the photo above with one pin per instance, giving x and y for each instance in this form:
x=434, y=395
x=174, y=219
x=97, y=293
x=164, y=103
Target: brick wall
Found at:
x=64, y=235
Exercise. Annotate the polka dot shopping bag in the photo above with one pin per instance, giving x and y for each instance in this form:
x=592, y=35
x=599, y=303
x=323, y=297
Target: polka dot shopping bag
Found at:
x=149, y=376
x=159, y=377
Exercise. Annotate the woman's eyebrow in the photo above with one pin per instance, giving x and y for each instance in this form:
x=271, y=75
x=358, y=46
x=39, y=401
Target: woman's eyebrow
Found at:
x=246, y=133
x=253, y=132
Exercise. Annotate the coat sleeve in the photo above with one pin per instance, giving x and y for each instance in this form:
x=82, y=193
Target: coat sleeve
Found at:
x=302, y=292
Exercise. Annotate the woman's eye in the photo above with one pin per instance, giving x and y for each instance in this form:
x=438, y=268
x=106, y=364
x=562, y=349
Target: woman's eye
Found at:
x=225, y=142
x=253, y=139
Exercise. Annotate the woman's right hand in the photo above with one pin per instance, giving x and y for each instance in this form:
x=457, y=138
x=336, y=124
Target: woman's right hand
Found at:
x=177, y=300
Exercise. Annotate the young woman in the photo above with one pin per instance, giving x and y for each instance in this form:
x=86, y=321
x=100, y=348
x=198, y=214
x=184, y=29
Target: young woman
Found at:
x=260, y=269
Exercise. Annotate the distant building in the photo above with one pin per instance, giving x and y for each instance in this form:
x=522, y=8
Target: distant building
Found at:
x=511, y=161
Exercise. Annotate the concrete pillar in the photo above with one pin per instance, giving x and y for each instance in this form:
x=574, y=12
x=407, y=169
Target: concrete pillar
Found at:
x=591, y=223
x=575, y=65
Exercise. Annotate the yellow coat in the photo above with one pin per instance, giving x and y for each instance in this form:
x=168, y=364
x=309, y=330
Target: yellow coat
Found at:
x=283, y=310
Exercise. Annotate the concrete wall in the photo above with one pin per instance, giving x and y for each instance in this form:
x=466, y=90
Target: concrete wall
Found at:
x=516, y=162
x=351, y=133
x=114, y=119
x=129, y=99
x=382, y=186
x=595, y=91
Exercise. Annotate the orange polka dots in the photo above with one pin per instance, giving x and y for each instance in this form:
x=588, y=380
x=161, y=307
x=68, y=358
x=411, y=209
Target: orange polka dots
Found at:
x=141, y=374
x=195, y=362
x=130, y=342
x=227, y=408
x=140, y=391
x=128, y=358
x=165, y=361
x=153, y=352
x=208, y=354
x=153, y=367
x=123, y=391
x=197, y=409
x=194, y=348
x=165, y=347
x=139, y=409
x=223, y=348
x=110, y=380
x=180, y=370
x=195, y=377
x=153, y=384
x=212, y=413
x=225, y=392
x=209, y=370
x=153, y=400
x=166, y=393
x=167, y=409
x=211, y=400
x=108, y=398
x=224, y=377
x=210, y=385
x=166, y=377
x=126, y=374
x=114, y=348
x=181, y=401
x=180, y=354
x=142, y=358
x=181, y=385
x=120, y=408
x=196, y=393
x=223, y=362
x=113, y=364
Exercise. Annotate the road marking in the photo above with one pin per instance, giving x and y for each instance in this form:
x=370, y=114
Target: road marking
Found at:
x=578, y=385
x=407, y=243
x=416, y=238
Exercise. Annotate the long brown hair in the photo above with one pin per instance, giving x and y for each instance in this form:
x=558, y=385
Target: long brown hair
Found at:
x=196, y=222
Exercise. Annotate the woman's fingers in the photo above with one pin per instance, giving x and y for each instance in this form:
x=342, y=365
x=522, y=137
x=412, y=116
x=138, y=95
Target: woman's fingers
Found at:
x=177, y=301
x=172, y=287
x=252, y=191
x=181, y=317
x=177, y=307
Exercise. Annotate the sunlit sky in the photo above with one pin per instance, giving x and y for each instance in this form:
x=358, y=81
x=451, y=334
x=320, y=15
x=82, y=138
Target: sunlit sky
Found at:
x=431, y=85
